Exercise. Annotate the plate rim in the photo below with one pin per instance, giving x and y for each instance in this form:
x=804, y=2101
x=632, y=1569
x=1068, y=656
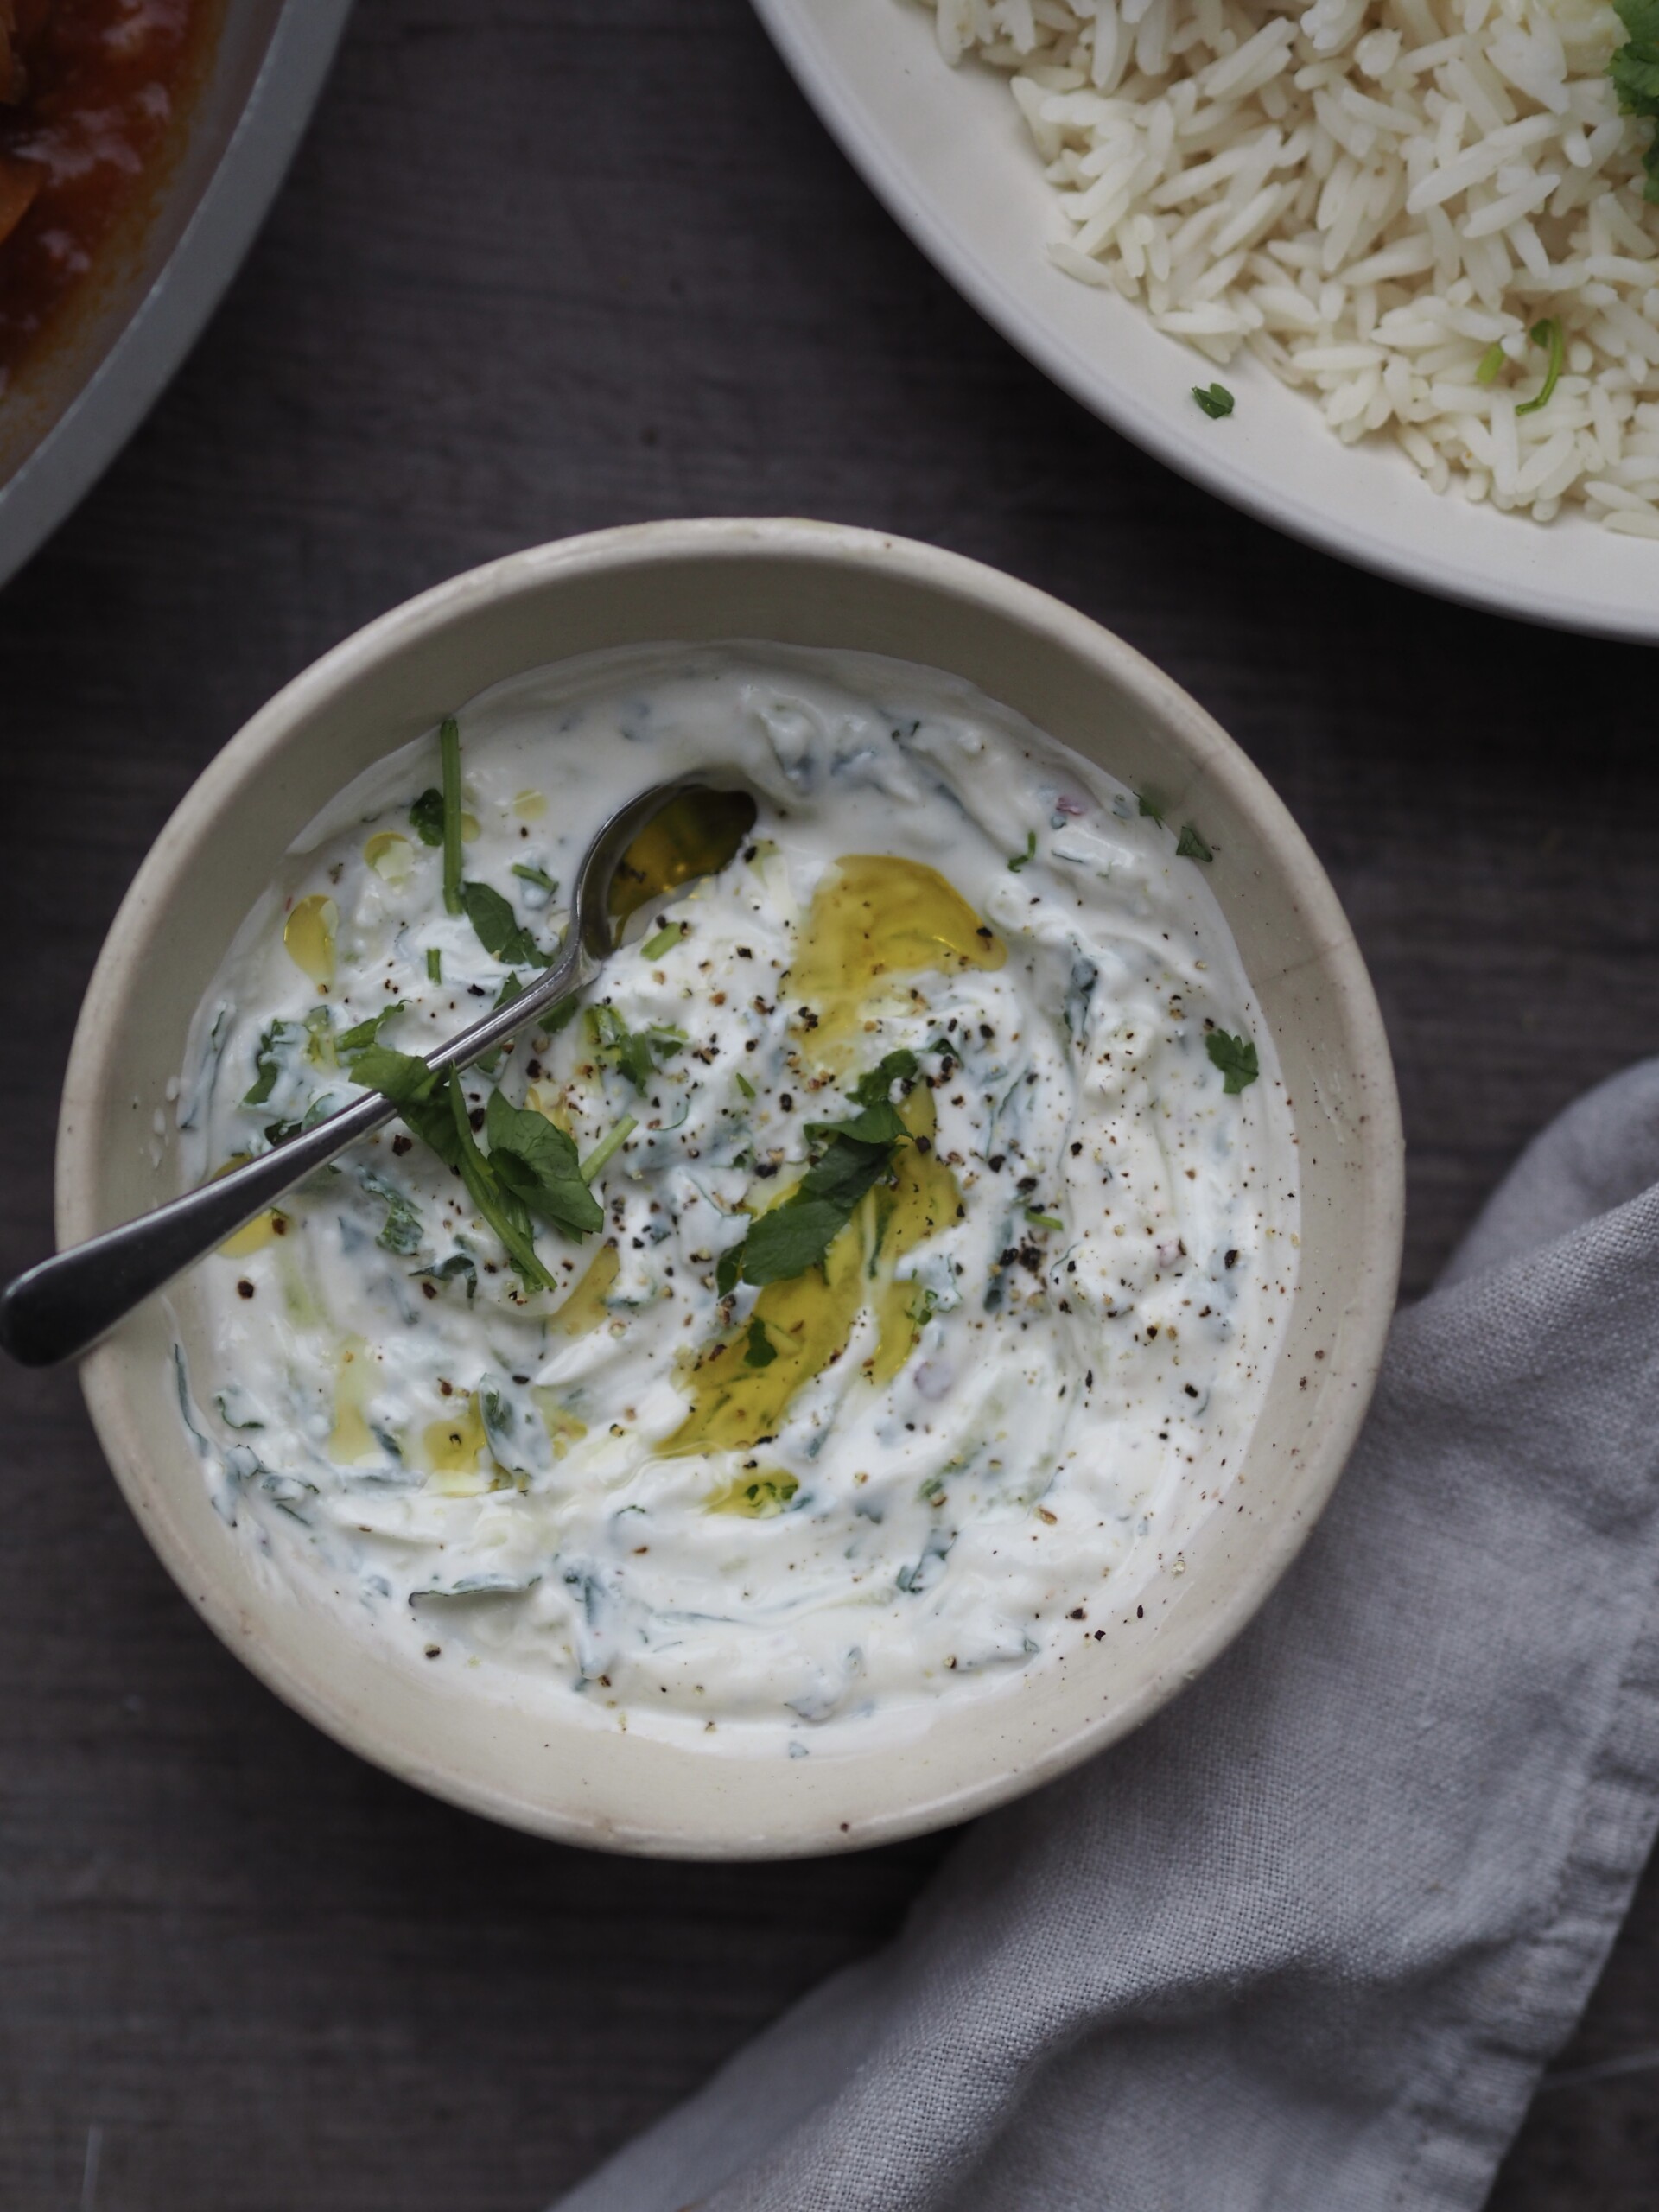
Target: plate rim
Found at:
x=792, y=28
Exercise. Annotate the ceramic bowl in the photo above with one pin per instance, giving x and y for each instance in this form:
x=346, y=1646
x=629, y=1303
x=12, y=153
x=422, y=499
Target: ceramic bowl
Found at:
x=546, y=1765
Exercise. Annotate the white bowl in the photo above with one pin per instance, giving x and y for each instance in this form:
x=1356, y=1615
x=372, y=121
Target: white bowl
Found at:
x=532, y=1762
x=948, y=152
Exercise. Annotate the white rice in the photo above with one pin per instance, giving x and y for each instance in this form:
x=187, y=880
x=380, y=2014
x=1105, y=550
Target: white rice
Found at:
x=1368, y=194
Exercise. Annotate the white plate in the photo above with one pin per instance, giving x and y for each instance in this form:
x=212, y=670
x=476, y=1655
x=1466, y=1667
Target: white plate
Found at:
x=947, y=152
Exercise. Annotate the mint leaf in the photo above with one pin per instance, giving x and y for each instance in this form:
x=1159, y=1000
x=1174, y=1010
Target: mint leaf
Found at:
x=1236, y=1059
x=1216, y=402
x=1189, y=846
x=536, y=1162
x=1152, y=808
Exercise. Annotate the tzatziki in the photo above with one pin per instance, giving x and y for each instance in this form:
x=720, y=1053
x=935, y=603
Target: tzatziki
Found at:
x=943, y=1184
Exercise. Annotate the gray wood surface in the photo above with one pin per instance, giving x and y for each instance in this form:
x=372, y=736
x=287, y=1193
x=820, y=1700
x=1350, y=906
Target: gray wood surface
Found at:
x=543, y=265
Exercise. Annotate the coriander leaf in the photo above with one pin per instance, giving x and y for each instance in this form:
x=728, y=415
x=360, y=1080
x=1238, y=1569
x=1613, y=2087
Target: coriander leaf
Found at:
x=538, y=876
x=360, y=1038
x=1236, y=1059
x=871, y=1087
x=1189, y=846
x=1025, y=859
x=665, y=939
x=497, y=927
x=537, y=1161
x=728, y=1269
x=1548, y=334
x=843, y=1175
x=1633, y=68
x=760, y=1350
x=426, y=818
x=401, y=1230
x=1491, y=363
x=876, y=1125
x=449, y=756
x=267, y=1065
x=503, y=1209
x=1152, y=808
x=634, y=1053
x=416, y=1091
x=1217, y=402
x=791, y=1238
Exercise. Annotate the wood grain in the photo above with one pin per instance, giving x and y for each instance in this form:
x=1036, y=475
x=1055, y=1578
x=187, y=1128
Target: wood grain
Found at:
x=541, y=267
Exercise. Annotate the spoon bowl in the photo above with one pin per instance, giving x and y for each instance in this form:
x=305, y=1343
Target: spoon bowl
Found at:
x=671, y=836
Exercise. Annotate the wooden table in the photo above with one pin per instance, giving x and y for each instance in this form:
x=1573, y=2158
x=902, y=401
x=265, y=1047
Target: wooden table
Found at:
x=541, y=267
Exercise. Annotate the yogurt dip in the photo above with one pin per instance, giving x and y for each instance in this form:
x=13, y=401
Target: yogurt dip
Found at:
x=947, y=1452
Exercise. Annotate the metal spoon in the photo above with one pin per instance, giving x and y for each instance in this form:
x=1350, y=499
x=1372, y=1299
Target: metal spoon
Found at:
x=671, y=836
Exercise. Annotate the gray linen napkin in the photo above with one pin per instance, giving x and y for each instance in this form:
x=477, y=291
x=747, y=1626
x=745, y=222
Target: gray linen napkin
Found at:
x=1303, y=1943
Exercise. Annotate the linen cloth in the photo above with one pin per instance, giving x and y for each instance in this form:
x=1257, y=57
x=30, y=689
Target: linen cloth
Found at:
x=1304, y=1943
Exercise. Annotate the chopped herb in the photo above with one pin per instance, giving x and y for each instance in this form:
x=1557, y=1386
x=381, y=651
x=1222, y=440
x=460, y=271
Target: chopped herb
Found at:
x=872, y=1087
x=426, y=817
x=505, y=1210
x=536, y=1162
x=759, y=1351
x=449, y=755
x=458, y=1263
x=1189, y=846
x=1150, y=807
x=1216, y=402
x=562, y=1017
x=318, y=1024
x=1236, y=1059
x=267, y=1065
x=1025, y=859
x=401, y=1230
x=434, y=964
x=1492, y=364
x=1549, y=334
x=497, y=929
x=665, y=939
x=366, y=1032
x=538, y=876
x=417, y=1092
x=607, y=1146
x=1043, y=1220
x=1634, y=69
x=855, y=1155
x=744, y=1084
x=637, y=1054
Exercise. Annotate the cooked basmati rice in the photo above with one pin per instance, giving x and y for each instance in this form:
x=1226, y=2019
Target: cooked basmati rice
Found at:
x=1369, y=195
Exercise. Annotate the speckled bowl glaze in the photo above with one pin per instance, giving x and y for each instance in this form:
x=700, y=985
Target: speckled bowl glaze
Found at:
x=530, y=1761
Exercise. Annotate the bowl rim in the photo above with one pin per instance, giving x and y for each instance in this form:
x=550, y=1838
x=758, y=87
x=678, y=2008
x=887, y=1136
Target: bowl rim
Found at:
x=1533, y=573
x=92, y=1076
x=167, y=314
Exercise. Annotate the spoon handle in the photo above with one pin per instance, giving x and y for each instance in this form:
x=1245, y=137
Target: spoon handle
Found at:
x=66, y=1303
